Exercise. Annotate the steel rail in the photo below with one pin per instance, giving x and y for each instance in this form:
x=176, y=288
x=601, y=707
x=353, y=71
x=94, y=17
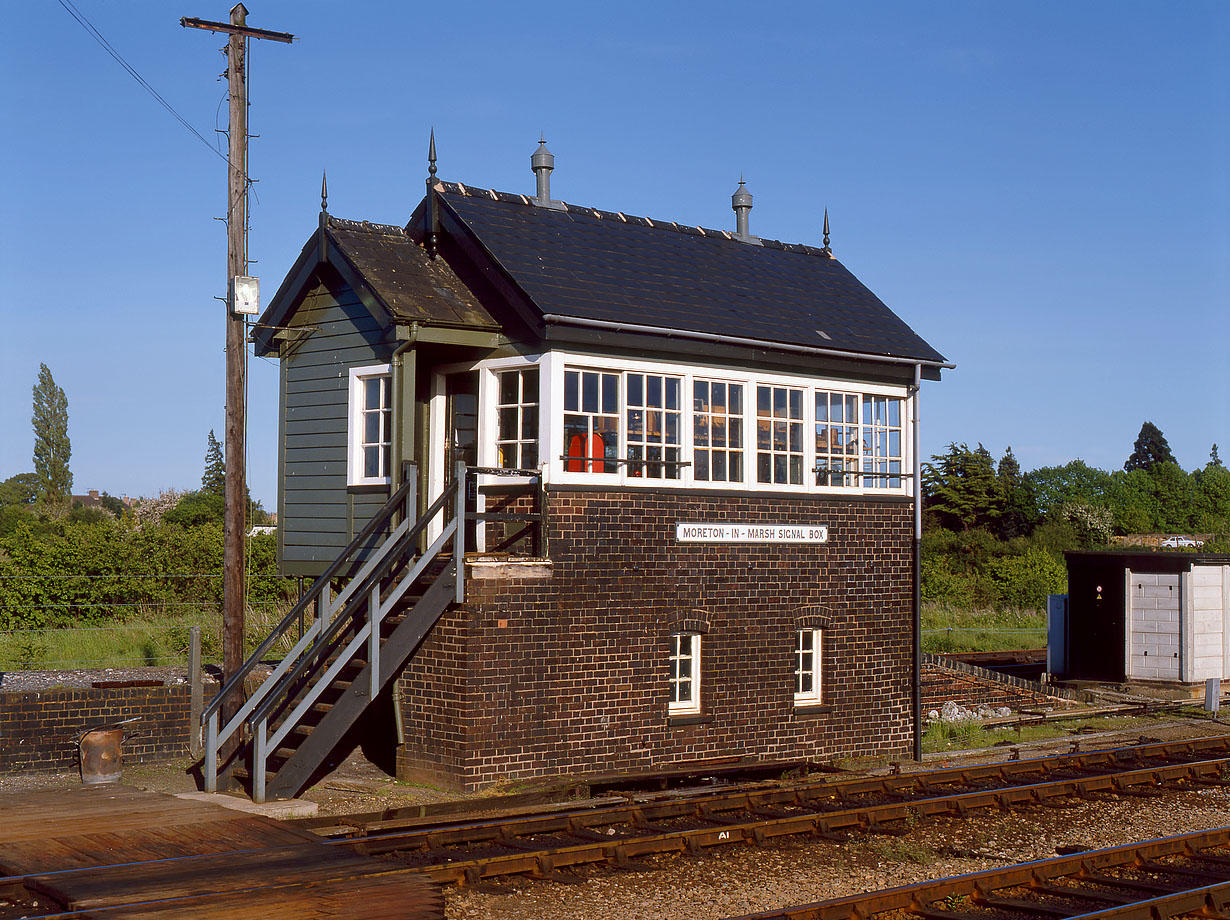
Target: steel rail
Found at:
x=846, y=793
x=618, y=836
x=1087, y=871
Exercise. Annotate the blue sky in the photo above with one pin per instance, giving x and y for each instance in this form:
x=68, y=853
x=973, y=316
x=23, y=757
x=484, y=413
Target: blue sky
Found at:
x=1041, y=190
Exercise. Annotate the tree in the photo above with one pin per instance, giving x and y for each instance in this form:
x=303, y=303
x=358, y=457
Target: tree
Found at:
x=1214, y=459
x=1019, y=514
x=1149, y=450
x=960, y=488
x=214, y=480
x=1075, y=481
x=21, y=489
x=51, y=444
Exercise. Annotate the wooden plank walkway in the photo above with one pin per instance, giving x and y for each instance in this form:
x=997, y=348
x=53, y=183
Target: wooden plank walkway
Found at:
x=114, y=852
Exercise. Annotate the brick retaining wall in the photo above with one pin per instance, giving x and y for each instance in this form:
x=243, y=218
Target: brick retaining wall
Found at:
x=39, y=729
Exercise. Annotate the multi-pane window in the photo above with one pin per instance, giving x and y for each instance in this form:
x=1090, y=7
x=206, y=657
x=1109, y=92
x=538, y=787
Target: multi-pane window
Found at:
x=684, y=673
x=882, y=442
x=779, y=435
x=837, y=444
x=717, y=431
x=517, y=419
x=371, y=426
x=807, y=667
x=654, y=425
x=591, y=421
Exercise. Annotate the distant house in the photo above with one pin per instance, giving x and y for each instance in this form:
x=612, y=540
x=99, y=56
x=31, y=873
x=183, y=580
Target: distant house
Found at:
x=1154, y=617
x=723, y=426
x=92, y=499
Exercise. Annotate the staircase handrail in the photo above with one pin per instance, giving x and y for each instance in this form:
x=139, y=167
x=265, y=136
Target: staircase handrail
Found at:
x=331, y=631
x=378, y=522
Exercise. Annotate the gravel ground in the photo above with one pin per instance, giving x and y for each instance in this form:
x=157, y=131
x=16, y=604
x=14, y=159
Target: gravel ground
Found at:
x=743, y=879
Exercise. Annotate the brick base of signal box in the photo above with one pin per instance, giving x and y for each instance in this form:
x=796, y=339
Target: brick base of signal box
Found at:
x=560, y=666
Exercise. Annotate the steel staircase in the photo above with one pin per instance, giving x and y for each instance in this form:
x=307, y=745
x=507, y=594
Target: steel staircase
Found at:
x=356, y=644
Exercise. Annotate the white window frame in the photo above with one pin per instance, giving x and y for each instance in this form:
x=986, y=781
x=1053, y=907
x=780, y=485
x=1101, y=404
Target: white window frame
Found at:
x=726, y=417
x=690, y=705
x=520, y=440
x=354, y=425
x=815, y=695
x=551, y=421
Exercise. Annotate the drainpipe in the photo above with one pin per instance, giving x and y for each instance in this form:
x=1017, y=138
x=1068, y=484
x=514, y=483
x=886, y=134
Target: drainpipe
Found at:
x=917, y=663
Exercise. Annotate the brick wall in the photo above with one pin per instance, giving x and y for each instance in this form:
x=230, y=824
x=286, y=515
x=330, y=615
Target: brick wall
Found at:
x=567, y=672
x=39, y=730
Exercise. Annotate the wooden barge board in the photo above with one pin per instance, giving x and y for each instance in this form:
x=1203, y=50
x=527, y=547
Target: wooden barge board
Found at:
x=113, y=851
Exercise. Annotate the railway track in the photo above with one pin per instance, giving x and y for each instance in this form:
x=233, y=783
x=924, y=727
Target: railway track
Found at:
x=547, y=844
x=1187, y=875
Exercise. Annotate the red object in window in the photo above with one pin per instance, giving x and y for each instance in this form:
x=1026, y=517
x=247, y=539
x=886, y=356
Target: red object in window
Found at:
x=580, y=460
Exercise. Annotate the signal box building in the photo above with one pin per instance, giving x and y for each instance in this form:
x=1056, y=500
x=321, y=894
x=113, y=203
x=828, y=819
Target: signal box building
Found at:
x=724, y=430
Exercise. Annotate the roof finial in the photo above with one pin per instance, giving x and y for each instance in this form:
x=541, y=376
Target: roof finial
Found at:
x=827, y=250
x=431, y=206
x=324, y=191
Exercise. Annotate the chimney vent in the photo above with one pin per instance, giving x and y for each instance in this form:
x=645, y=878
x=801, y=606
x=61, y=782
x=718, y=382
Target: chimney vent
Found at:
x=542, y=162
x=741, y=202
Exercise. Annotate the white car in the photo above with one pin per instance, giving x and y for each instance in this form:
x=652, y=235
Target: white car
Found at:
x=1176, y=542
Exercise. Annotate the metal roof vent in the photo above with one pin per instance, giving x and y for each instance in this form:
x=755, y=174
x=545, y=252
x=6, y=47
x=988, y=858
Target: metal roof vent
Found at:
x=542, y=162
x=741, y=202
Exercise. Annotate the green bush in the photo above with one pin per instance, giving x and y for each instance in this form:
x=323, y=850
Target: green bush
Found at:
x=1024, y=581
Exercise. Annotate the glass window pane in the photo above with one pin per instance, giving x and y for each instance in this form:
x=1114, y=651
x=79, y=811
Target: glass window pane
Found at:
x=796, y=437
x=529, y=423
x=796, y=470
x=700, y=396
x=636, y=390
x=822, y=407
x=719, y=465
x=507, y=424
x=508, y=388
x=529, y=385
x=672, y=392
x=894, y=413
x=719, y=397
x=672, y=428
x=779, y=469
x=796, y=403
x=371, y=462
x=653, y=391
x=700, y=465
x=371, y=393
x=735, y=392
x=610, y=393
x=589, y=392
x=636, y=424
x=508, y=456
x=371, y=427
x=529, y=455
x=763, y=397
x=764, y=467
x=780, y=396
x=735, y=433
x=719, y=433
x=572, y=384
x=700, y=430
x=894, y=443
x=736, y=468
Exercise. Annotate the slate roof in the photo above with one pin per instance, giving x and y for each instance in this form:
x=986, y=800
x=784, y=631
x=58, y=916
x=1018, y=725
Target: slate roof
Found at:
x=412, y=286
x=598, y=265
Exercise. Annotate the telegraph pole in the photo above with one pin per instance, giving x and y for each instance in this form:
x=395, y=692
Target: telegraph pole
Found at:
x=234, y=528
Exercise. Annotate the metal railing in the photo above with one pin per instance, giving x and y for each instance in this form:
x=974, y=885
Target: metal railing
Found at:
x=315, y=660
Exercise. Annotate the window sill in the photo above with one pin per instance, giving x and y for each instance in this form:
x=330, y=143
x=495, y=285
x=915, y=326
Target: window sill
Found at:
x=365, y=488
x=811, y=710
x=690, y=718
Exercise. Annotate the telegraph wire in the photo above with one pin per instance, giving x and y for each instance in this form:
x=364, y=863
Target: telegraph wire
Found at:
x=106, y=45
